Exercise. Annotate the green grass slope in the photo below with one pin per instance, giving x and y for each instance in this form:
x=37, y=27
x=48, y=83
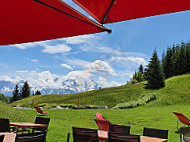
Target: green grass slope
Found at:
x=14, y=115
x=176, y=91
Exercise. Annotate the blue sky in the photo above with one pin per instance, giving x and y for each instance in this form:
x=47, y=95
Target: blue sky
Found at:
x=110, y=58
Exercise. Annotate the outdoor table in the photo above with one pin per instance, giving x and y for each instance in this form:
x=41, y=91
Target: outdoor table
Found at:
x=28, y=125
x=25, y=125
x=9, y=137
x=103, y=135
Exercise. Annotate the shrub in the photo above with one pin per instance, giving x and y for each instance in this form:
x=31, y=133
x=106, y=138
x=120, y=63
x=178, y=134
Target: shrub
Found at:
x=130, y=104
x=68, y=105
x=42, y=105
x=148, y=97
x=49, y=106
x=143, y=100
x=132, y=81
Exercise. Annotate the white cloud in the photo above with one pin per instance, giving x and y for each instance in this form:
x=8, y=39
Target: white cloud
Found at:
x=29, y=44
x=40, y=79
x=100, y=67
x=77, y=62
x=125, y=74
x=67, y=66
x=24, y=45
x=86, y=79
x=104, y=83
x=80, y=39
x=34, y=60
x=83, y=74
x=60, y=48
x=7, y=78
x=137, y=60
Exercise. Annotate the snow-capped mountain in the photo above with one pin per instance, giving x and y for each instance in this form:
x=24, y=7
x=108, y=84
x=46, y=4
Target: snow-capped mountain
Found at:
x=68, y=86
x=94, y=75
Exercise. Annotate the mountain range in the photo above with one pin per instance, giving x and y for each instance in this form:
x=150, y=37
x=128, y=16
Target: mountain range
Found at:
x=65, y=86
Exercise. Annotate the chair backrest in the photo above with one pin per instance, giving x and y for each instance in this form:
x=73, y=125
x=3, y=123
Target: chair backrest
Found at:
x=151, y=132
x=38, y=110
x=84, y=135
x=185, y=130
x=102, y=124
x=182, y=118
x=4, y=125
x=113, y=137
x=100, y=116
x=184, y=134
x=42, y=120
x=31, y=137
x=119, y=129
x=2, y=138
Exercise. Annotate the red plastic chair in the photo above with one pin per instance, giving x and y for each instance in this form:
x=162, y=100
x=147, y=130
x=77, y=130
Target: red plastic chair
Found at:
x=100, y=116
x=102, y=124
x=40, y=111
x=182, y=118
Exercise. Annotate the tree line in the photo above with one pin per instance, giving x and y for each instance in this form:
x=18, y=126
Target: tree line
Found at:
x=22, y=93
x=175, y=61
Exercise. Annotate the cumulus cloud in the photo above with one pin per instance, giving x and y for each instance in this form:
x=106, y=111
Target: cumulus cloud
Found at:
x=60, y=48
x=100, y=67
x=7, y=78
x=67, y=66
x=83, y=74
x=34, y=60
x=40, y=79
x=125, y=74
x=105, y=83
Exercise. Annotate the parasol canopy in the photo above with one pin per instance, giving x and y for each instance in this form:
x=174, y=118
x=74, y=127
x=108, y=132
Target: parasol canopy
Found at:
x=35, y=20
x=108, y=11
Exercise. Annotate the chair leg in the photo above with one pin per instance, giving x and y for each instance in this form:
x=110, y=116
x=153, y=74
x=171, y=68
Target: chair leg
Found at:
x=177, y=125
x=68, y=137
x=181, y=137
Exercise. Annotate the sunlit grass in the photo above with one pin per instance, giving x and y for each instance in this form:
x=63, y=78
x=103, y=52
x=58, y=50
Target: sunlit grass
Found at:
x=175, y=96
x=61, y=121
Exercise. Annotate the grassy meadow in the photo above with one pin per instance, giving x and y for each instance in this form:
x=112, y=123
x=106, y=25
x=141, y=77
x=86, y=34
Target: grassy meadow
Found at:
x=175, y=96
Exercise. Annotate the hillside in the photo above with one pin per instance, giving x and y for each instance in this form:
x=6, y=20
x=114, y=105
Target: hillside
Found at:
x=176, y=91
x=15, y=115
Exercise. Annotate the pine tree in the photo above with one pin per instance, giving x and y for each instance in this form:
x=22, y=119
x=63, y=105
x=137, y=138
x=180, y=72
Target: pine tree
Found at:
x=188, y=58
x=138, y=76
x=141, y=69
x=16, y=94
x=174, y=59
x=182, y=60
x=167, y=63
x=37, y=93
x=155, y=75
x=25, y=90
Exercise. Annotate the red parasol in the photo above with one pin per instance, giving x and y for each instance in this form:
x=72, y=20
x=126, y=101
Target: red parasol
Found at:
x=108, y=11
x=35, y=20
